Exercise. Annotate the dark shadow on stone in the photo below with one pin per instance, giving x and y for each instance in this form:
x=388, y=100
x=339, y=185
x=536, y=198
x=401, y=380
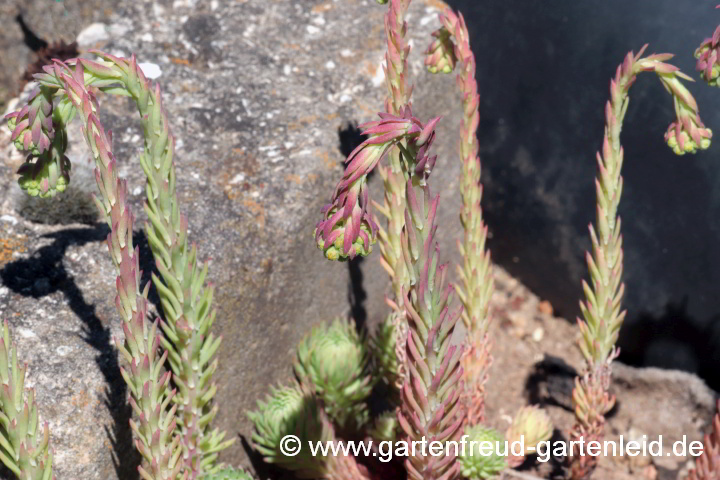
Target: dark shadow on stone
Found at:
x=551, y=382
x=350, y=137
x=43, y=274
x=673, y=340
x=357, y=294
x=32, y=41
x=532, y=462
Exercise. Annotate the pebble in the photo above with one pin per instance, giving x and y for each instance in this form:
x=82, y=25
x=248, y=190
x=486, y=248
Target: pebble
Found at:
x=95, y=33
x=151, y=70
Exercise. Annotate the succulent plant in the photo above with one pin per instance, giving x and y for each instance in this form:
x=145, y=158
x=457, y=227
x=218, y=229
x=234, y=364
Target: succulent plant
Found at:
x=530, y=426
x=334, y=360
x=347, y=228
x=482, y=459
x=230, y=473
x=708, y=63
x=382, y=349
x=602, y=309
x=707, y=465
x=24, y=443
x=291, y=411
x=385, y=427
x=39, y=129
x=451, y=47
x=431, y=407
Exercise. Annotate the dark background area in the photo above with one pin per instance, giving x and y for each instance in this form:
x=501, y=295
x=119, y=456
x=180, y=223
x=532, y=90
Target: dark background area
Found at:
x=544, y=71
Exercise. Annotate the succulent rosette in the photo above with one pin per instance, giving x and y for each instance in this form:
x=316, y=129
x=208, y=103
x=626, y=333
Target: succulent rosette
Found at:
x=347, y=228
x=291, y=411
x=481, y=459
x=530, y=426
x=382, y=347
x=230, y=474
x=385, y=427
x=334, y=360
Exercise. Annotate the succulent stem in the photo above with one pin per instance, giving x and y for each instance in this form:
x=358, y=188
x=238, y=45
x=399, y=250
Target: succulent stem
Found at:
x=602, y=310
x=431, y=409
x=452, y=46
x=24, y=444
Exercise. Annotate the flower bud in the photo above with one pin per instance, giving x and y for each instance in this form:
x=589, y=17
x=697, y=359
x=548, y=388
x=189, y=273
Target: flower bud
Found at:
x=708, y=63
x=440, y=55
x=688, y=136
x=32, y=126
x=45, y=177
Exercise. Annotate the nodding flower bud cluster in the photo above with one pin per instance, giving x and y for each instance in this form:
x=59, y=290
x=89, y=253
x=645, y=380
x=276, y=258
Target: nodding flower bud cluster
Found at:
x=46, y=170
x=348, y=228
x=708, y=63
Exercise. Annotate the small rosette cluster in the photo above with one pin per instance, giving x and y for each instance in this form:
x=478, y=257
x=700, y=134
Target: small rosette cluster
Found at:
x=334, y=360
x=708, y=63
x=46, y=170
x=24, y=443
x=431, y=409
x=291, y=411
x=483, y=459
x=530, y=426
x=230, y=474
x=348, y=228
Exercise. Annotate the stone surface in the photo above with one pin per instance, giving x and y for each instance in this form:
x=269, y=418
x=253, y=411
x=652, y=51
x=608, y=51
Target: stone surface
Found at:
x=27, y=26
x=260, y=94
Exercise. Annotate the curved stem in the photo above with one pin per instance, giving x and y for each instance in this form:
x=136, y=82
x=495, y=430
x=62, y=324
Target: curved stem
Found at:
x=602, y=310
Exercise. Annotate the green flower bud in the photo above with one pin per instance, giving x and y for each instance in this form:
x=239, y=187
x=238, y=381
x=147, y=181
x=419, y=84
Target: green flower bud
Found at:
x=334, y=359
x=46, y=176
x=687, y=137
x=474, y=465
x=440, y=55
x=291, y=411
x=230, y=474
x=362, y=245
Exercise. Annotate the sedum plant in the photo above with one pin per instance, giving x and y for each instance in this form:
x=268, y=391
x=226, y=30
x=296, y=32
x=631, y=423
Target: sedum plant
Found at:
x=707, y=465
x=334, y=359
x=530, y=426
x=451, y=49
x=479, y=461
x=602, y=309
x=291, y=411
x=172, y=426
x=24, y=442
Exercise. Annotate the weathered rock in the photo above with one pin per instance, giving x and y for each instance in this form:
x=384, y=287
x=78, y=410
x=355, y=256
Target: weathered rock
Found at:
x=28, y=26
x=259, y=94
